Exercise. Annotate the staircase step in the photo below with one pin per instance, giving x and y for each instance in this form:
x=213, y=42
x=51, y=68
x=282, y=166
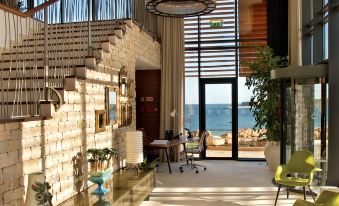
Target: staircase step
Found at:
x=65, y=55
x=47, y=109
x=65, y=45
x=90, y=61
x=31, y=72
x=87, y=73
x=25, y=95
x=13, y=83
x=65, y=39
x=119, y=33
x=78, y=32
x=113, y=39
x=129, y=23
x=94, y=24
x=58, y=62
x=106, y=46
x=24, y=109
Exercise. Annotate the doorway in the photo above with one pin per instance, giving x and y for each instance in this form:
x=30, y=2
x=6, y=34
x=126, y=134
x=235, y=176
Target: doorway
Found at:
x=218, y=115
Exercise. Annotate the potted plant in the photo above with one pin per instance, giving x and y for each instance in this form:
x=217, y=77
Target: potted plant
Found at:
x=100, y=172
x=101, y=159
x=146, y=165
x=265, y=100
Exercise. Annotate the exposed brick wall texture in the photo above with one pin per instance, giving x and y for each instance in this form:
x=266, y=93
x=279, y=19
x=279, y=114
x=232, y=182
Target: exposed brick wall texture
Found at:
x=53, y=145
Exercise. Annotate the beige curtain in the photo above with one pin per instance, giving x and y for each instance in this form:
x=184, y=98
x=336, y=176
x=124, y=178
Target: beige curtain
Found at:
x=172, y=77
x=145, y=19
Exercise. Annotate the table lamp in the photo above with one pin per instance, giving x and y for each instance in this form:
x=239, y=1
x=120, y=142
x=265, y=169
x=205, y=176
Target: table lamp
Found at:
x=134, y=148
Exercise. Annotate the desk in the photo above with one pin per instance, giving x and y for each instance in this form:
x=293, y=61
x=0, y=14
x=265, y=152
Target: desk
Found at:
x=170, y=144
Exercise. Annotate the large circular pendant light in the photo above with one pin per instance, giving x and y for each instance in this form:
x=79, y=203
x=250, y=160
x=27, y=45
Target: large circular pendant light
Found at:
x=180, y=8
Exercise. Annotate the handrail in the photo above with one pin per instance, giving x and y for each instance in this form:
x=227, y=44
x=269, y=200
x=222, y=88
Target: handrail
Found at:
x=30, y=12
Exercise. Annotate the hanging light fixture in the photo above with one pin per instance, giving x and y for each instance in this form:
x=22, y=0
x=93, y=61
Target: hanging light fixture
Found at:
x=180, y=8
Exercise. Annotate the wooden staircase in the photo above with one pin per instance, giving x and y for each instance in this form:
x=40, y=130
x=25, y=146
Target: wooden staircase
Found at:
x=22, y=71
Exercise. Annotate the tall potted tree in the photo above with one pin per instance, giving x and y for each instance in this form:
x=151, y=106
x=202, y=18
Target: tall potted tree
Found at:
x=265, y=100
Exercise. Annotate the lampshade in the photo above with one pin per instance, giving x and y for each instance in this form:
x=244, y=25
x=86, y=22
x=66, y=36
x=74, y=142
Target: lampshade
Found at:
x=180, y=8
x=134, y=148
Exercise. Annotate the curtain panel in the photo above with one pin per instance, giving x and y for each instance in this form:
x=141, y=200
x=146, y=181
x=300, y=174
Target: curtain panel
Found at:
x=172, y=77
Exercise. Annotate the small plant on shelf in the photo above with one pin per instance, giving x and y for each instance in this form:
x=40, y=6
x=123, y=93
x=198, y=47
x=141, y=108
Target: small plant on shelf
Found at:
x=146, y=165
x=101, y=159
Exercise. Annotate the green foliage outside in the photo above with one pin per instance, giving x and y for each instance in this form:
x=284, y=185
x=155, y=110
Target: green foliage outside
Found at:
x=265, y=99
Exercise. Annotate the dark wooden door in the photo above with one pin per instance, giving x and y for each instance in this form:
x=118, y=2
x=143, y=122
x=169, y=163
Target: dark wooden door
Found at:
x=148, y=84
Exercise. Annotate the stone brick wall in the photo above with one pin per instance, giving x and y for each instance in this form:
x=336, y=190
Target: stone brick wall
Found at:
x=56, y=146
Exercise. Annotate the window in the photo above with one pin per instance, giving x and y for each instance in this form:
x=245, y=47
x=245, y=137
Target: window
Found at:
x=325, y=29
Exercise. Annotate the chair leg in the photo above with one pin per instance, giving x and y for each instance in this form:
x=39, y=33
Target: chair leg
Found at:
x=276, y=199
x=288, y=192
x=309, y=187
x=304, y=193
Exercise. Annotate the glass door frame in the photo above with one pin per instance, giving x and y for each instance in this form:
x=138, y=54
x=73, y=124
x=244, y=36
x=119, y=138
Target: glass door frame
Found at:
x=202, y=113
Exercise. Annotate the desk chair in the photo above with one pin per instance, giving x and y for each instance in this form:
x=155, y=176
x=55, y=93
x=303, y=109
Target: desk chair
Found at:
x=194, y=147
x=301, y=163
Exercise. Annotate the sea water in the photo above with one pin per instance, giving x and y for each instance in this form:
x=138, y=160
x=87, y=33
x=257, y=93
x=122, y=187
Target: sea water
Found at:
x=219, y=118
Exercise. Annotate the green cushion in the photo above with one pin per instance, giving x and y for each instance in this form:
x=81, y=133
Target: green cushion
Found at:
x=293, y=181
x=326, y=198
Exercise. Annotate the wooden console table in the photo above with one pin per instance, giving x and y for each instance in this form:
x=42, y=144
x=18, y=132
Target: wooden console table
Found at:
x=126, y=188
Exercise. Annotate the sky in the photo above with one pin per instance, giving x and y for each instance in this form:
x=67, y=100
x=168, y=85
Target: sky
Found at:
x=216, y=94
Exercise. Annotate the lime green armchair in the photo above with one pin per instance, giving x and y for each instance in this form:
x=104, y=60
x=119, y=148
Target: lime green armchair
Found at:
x=301, y=163
x=326, y=198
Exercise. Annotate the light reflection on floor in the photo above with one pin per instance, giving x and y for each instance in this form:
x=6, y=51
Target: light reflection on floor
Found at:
x=227, y=183
x=218, y=196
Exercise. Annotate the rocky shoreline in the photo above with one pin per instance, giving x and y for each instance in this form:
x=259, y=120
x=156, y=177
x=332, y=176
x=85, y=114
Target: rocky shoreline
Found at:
x=247, y=137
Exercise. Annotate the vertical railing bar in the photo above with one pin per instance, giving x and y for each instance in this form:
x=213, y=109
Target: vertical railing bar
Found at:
x=46, y=56
x=30, y=109
x=71, y=29
x=3, y=110
x=16, y=71
x=24, y=65
x=56, y=35
x=32, y=71
x=89, y=28
x=37, y=88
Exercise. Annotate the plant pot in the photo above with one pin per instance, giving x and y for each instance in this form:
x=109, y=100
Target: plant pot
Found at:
x=32, y=179
x=272, y=154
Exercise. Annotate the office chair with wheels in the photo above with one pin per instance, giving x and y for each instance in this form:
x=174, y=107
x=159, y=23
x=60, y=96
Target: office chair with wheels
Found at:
x=194, y=147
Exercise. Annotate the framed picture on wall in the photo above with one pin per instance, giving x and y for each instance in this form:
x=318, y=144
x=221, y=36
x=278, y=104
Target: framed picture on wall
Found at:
x=100, y=120
x=123, y=81
x=112, y=105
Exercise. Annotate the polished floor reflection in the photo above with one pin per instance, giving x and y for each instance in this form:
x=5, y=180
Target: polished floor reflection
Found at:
x=126, y=188
x=229, y=183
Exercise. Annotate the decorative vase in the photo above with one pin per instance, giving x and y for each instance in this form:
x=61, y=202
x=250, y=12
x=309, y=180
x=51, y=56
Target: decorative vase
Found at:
x=30, y=194
x=272, y=155
x=100, y=178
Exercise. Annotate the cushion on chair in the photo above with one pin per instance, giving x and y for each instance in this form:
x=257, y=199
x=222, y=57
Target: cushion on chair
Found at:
x=326, y=198
x=293, y=181
x=303, y=203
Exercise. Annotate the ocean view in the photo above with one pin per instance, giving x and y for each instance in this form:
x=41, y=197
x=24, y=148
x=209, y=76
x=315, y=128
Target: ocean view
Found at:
x=219, y=118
